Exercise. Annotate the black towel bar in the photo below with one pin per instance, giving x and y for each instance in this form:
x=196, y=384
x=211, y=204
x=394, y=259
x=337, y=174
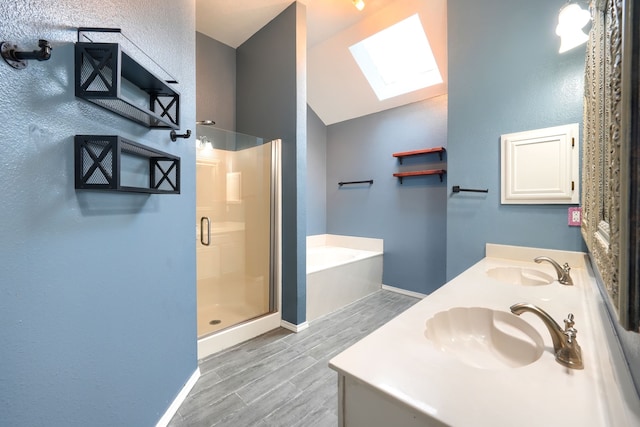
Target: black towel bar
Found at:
x=369, y=181
x=457, y=189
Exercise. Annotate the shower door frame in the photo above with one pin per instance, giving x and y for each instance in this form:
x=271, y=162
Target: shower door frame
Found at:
x=232, y=335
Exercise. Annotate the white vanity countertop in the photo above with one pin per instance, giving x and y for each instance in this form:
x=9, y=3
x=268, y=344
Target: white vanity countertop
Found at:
x=400, y=362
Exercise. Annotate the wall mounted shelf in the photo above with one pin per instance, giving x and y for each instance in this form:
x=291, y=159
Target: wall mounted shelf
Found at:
x=421, y=152
x=107, y=76
x=402, y=175
x=438, y=150
x=98, y=161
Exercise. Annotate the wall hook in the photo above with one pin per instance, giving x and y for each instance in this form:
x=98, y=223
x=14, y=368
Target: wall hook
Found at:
x=18, y=59
x=174, y=136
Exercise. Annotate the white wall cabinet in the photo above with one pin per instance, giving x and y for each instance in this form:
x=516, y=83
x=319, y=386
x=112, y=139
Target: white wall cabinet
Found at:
x=541, y=166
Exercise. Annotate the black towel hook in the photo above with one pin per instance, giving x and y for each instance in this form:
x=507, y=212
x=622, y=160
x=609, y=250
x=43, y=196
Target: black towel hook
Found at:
x=174, y=136
x=18, y=59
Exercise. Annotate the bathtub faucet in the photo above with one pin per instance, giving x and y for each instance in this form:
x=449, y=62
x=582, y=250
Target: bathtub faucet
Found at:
x=566, y=347
x=562, y=272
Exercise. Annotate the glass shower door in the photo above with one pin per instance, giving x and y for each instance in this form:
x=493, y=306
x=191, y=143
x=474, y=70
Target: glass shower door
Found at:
x=233, y=228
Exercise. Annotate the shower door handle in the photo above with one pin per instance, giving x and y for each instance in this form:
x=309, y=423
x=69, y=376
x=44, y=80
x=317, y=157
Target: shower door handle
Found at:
x=202, y=221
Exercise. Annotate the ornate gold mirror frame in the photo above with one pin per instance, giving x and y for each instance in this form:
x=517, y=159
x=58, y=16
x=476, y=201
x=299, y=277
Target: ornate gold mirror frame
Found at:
x=610, y=138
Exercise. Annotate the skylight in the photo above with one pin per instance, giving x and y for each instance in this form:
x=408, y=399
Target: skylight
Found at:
x=398, y=59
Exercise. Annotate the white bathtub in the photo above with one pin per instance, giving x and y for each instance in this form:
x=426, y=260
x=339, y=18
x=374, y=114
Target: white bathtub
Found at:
x=341, y=270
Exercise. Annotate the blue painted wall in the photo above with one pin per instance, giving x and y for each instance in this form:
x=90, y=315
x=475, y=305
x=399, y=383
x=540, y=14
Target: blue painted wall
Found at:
x=216, y=82
x=505, y=75
x=316, y=174
x=272, y=103
x=97, y=290
x=411, y=218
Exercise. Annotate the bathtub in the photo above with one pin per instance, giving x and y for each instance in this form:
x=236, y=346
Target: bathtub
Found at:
x=341, y=270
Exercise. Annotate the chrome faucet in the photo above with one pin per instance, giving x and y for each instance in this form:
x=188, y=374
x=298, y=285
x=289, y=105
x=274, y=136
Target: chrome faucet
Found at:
x=566, y=347
x=563, y=272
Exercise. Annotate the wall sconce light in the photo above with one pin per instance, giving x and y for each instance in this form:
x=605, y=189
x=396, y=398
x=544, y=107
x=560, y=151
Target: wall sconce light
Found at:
x=204, y=143
x=359, y=4
x=571, y=20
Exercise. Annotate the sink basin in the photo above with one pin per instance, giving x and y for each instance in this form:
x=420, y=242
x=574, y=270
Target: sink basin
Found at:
x=485, y=338
x=520, y=276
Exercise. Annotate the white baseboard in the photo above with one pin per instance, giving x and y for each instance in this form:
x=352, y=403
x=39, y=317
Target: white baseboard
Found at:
x=175, y=405
x=295, y=328
x=404, y=292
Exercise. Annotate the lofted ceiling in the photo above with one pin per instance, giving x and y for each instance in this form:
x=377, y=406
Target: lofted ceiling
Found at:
x=336, y=88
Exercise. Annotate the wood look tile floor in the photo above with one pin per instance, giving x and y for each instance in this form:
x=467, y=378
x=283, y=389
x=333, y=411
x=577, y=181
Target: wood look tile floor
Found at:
x=282, y=378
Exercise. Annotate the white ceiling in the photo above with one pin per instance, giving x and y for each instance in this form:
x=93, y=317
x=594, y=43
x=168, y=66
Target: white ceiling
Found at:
x=336, y=88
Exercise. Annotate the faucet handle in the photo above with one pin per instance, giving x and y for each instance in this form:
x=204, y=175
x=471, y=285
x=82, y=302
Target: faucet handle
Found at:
x=566, y=277
x=568, y=322
x=570, y=354
x=569, y=331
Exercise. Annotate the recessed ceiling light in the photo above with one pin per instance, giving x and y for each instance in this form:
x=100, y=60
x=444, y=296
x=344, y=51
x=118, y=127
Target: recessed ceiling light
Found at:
x=359, y=4
x=398, y=59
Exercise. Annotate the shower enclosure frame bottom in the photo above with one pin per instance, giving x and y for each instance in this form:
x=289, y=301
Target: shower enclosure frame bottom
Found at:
x=236, y=334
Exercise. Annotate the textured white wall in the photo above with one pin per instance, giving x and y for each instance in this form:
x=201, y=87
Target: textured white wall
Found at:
x=97, y=290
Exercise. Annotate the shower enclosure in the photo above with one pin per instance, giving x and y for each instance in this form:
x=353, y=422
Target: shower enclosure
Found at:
x=236, y=231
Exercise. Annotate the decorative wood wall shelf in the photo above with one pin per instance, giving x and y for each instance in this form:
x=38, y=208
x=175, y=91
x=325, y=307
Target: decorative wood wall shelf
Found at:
x=402, y=175
x=438, y=150
x=101, y=72
x=98, y=161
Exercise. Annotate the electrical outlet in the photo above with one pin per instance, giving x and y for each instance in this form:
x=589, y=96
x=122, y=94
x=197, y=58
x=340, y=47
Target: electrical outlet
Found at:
x=575, y=217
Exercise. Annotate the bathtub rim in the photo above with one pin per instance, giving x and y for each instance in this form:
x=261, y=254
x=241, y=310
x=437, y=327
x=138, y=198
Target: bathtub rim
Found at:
x=363, y=254
x=351, y=242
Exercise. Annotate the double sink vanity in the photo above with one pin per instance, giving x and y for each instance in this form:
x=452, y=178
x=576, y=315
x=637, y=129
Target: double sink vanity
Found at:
x=503, y=344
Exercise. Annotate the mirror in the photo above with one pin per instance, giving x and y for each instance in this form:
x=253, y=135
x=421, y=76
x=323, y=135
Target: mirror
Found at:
x=610, y=168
